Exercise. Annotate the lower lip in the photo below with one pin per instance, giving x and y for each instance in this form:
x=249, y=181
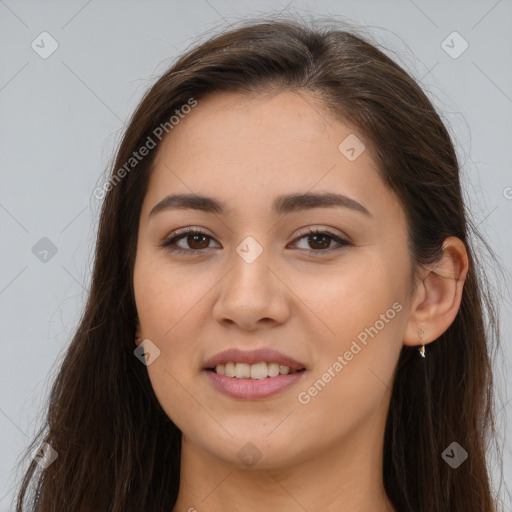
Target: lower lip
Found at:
x=252, y=389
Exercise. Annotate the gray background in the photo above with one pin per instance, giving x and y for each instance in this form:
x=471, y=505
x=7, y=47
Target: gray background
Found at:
x=61, y=117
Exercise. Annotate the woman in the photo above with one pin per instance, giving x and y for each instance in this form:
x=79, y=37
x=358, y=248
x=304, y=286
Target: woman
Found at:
x=285, y=311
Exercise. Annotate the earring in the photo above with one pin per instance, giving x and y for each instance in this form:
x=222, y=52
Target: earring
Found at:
x=421, y=332
x=137, y=339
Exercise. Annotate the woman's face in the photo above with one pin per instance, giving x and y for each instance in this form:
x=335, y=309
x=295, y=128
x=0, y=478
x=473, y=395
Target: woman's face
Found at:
x=258, y=280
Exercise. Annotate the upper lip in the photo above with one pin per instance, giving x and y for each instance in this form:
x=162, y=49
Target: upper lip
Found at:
x=235, y=355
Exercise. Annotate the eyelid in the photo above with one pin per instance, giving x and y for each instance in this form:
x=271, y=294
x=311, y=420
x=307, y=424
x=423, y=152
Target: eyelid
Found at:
x=301, y=231
x=321, y=229
x=188, y=230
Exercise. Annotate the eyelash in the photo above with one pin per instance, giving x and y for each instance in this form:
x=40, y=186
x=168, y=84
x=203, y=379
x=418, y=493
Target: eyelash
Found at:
x=169, y=242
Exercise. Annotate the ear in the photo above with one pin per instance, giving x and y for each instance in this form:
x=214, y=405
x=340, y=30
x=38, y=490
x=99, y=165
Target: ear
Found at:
x=437, y=297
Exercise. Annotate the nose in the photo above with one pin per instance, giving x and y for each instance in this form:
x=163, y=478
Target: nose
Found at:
x=252, y=295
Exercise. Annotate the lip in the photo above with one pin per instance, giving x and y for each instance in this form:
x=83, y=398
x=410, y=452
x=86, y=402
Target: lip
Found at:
x=252, y=389
x=259, y=355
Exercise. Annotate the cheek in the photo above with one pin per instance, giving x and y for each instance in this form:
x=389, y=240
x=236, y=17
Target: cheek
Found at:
x=167, y=297
x=353, y=297
x=364, y=309
x=171, y=302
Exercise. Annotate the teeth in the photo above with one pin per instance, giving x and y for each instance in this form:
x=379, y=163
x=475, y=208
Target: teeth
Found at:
x=242, y=370
x=256, y=371
x=259, y=371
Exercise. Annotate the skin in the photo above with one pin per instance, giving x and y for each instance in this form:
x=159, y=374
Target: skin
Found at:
x=326, y=454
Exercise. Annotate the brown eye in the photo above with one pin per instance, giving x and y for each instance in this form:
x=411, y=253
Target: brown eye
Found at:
x=319, y=242
x=197, y=241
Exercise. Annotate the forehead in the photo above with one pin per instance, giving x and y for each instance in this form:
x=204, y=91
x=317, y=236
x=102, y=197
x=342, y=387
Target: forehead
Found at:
x=248, y=149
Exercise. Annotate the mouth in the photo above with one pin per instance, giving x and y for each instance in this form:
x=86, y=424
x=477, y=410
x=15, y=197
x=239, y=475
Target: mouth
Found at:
x=257, y=371
x=258, y=387
x=252, y=374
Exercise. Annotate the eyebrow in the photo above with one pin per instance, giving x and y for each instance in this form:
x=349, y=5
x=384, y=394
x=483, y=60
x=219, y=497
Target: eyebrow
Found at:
x=282, y=204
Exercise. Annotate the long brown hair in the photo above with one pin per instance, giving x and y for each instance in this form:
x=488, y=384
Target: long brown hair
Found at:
x=117, y=449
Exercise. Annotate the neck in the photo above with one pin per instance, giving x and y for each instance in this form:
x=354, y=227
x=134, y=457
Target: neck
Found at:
x=345, y=478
